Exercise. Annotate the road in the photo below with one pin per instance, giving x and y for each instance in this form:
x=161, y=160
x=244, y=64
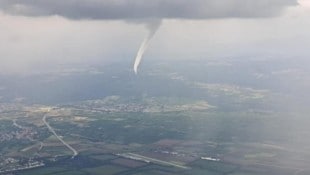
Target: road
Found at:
x=17, y=125
x=149, y=159
x=75, y=152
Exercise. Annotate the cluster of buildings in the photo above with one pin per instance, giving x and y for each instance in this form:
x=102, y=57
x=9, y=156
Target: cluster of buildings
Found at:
x=11, y=164
x=24, y=133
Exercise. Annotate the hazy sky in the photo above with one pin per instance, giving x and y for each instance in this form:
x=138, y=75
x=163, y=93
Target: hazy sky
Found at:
x=53, y=32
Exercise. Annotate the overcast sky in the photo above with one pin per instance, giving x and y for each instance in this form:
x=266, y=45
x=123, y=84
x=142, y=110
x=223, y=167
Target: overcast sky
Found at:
x=52, y=32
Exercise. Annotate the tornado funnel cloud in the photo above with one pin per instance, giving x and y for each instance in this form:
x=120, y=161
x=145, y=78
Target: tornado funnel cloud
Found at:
x=152, y=27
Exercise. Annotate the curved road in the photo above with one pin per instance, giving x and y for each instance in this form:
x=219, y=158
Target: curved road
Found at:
x=75, y=152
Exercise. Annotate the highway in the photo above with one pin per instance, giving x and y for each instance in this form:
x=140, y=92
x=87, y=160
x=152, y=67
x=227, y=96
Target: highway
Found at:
x=149, y=159
x=75, y=152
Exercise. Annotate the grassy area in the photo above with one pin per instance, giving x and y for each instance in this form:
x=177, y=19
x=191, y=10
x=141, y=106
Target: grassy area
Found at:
x=44, y=171
x=106, y=170
x=103, y=157
x=71, y=173
x=212, y=166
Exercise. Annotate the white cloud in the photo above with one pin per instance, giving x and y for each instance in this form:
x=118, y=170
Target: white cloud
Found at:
x=28, y=41
x=139, y=9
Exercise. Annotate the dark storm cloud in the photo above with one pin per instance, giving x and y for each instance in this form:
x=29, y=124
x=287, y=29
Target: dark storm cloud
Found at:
x=139, y=9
